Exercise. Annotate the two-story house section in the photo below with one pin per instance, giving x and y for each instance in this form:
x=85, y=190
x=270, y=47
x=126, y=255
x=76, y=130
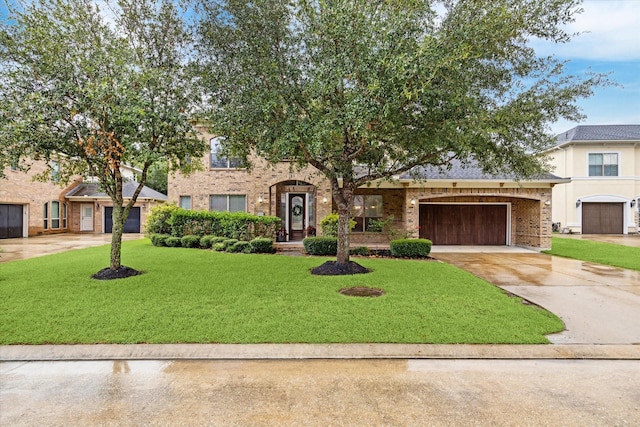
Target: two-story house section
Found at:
x=603, y=163
x=460, y=206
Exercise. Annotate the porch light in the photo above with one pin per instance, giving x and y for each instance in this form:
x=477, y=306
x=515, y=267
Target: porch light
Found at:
x=547, y=203
x=413, y=201
x=633, y=202
x=578, y=203
x=324, y=200
x=260, y=199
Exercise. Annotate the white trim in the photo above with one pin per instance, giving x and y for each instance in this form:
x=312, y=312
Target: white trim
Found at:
x=507, y=204
x=82, y=228
x=606, y=198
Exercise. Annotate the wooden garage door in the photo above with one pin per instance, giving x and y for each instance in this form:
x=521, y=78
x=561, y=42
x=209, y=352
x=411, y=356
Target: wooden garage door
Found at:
x=464, y=224
x=602, y=218
x=10, y=221
x=131, y=225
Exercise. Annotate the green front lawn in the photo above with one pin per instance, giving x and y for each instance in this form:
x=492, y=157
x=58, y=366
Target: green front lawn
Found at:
x=198, y=296
x=599, y=252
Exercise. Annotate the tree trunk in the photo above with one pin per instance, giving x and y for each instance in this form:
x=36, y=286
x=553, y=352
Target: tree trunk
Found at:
x=116, y=236
x=344, y=201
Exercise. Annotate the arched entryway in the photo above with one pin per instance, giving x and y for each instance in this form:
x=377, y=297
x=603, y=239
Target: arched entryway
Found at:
x=296, y=208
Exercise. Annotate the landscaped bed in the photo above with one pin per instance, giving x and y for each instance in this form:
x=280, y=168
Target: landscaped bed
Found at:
x=202, y=296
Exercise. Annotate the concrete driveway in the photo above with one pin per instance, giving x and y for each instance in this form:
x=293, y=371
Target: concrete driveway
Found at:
x=598, y=304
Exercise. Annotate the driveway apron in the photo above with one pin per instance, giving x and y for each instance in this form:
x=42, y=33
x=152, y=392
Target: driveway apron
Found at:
x=598, y=304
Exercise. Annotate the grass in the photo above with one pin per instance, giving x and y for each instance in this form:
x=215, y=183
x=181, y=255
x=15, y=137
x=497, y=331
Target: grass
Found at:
x=197, y=296
x=599, y=252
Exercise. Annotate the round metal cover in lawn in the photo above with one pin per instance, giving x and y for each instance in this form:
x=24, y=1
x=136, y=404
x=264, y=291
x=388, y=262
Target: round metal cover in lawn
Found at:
x=361, y=291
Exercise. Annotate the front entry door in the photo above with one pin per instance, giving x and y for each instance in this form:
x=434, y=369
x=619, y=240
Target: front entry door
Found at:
x=297, y=214
x=86, y=217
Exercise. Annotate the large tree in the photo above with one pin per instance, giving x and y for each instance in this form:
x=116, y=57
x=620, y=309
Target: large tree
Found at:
x=364, y=90
x=97, y=89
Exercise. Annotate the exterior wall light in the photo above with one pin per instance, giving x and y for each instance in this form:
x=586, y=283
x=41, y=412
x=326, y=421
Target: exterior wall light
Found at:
x=260, y=199
x=324, y=200
x=632, y=203
x=547, y=203
x=578, y=203
x=413, y=201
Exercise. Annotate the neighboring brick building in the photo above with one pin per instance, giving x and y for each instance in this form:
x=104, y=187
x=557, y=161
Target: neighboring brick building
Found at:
x=30, y=208
x=459, y=207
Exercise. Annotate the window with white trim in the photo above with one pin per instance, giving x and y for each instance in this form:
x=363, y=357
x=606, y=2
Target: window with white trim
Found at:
x=217, y=160
x=55, y=214
x=603, y=164
x=46, y=215
x=228, y=202
x=365, y=208
x=185, y=202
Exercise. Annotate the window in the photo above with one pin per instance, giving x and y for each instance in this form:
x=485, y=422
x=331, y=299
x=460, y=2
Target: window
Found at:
x=218, y=161
x=366, y=208
x=55, y=214
x=228, y=203
x=64, y=215
x=185, y=202
x=603, y=164
x=55, y=171
x=46, y=216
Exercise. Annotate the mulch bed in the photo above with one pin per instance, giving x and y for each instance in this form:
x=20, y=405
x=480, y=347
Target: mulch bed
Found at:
x=121, y=273
x=334, y=268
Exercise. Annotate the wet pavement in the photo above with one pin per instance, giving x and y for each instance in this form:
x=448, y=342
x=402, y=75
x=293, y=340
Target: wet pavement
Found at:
x=31, y=247
x=598, y=304
x=321, y=392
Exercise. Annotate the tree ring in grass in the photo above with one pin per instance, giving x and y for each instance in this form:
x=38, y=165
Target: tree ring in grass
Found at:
x=361, y=291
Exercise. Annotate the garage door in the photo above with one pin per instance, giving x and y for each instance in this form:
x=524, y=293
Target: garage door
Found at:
x=464, y=224
x=602, y=218
x=131, y=225
x=10, y=221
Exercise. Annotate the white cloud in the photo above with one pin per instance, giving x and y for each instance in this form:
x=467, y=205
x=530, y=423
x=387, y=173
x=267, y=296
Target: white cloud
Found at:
x=611, y=32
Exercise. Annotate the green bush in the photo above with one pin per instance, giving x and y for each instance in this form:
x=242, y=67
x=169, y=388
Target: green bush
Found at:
x=173, y=242
x=321, y=245
x=237, y=225
x=190, y=241
x=240, y=246
x=413, y=248
x=262, y=245
x=218, y=247
x=329, y=225
x=159, y=239
x=229, y=242
x=206, y=241
x=159, y=219
x=360, y=250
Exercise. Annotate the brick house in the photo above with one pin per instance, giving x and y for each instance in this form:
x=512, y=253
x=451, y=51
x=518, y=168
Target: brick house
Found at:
x=31, y=208
x=461, y=206
x=603, y=162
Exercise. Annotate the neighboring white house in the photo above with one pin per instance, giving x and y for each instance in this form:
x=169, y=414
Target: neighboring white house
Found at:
x=603, y=163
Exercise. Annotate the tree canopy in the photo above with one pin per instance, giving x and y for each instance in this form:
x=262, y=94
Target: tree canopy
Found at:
x=365, y=90
x=97, y=89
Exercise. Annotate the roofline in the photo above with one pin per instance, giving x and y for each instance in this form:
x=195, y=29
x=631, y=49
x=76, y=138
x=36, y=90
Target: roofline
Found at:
x=412, y=183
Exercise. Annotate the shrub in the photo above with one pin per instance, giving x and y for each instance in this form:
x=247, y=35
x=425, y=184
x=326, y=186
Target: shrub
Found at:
x=190, y=241
x=262, y=245
x=218, y=247
x=329, y=225
x=237, y=225
x=206, y=241
x=159, y=219
x=360, y=250
x=159, y=239
x=240, y=246
x=173, y=242
x=229, y=242
x=413, y=248
x=320, y=245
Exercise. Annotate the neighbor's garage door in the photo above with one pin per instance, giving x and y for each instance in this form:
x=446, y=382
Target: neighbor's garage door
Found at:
x=132, y=225
x=10, y=221
x=464, y=224
x=602, y=218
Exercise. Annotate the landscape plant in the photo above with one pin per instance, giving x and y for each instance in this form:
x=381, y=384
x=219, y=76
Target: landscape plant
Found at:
x=411, y=248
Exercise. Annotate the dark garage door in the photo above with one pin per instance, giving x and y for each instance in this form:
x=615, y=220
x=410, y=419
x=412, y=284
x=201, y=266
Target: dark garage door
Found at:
x=131, y=225
x=602, y=218
x=464, y=224
x=10, y=221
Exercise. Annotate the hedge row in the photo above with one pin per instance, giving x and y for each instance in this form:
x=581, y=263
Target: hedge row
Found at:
x=411, y=248
x=178, y=222
x=260, y=245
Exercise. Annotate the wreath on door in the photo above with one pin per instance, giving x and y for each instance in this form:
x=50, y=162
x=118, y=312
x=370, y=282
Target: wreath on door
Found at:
x=297, y=210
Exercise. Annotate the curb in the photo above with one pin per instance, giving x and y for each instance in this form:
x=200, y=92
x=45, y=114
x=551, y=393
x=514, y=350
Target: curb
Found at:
x=314, y=351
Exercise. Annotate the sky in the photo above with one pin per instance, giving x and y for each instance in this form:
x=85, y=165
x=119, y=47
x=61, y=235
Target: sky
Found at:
x=609, y=43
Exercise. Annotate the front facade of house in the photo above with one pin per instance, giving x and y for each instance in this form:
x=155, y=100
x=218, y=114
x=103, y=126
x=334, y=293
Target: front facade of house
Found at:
x=603, y=163
x=32, y=208
x=459, y=207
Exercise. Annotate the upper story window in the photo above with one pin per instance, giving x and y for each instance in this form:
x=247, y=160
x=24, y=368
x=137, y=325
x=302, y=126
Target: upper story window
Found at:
x=218, y=161
x=365, y=208
x=55, y=171
x=603, y=164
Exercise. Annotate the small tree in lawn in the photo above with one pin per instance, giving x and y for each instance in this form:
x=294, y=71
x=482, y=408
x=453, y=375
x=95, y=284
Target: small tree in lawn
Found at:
x=96, y=93
x=364, y=90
